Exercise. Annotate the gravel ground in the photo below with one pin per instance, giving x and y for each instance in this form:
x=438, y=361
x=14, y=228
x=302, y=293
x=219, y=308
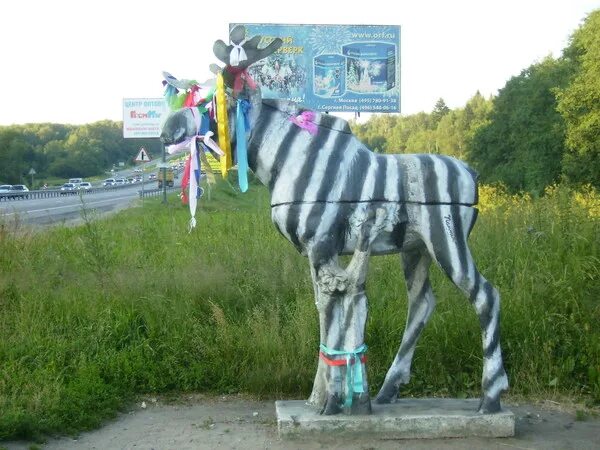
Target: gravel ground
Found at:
x=233, y=422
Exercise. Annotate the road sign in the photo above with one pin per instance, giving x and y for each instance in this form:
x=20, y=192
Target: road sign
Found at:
x=32, y=171
x=142, y=156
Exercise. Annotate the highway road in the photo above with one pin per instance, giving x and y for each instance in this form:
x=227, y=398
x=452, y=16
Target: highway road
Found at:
x=67, y=208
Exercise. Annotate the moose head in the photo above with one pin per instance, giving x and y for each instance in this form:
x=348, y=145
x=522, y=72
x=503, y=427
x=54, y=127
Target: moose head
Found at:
x=241, y=54
x=237, y=57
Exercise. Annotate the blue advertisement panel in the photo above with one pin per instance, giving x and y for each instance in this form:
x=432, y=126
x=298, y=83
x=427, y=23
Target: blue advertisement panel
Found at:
x=331, y=67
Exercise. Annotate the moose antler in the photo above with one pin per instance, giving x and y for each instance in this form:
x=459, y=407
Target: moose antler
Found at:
x=241, y=53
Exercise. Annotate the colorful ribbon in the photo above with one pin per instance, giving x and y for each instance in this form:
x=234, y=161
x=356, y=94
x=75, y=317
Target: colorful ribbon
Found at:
x=238, y=54
x=306, y=121
x=354, y=368
x=193, y=171
x=223, y=126
x=239, y=77
x=194, y=184
x=241, y=126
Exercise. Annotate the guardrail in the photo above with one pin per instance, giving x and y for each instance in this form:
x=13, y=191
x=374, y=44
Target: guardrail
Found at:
x=155, y=192
x=49, y=193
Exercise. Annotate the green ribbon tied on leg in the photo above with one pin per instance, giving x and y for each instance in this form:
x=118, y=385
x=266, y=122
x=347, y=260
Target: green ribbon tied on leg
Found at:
x=354, y=368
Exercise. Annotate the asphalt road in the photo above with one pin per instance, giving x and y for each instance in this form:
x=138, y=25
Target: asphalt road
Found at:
x=67, y=208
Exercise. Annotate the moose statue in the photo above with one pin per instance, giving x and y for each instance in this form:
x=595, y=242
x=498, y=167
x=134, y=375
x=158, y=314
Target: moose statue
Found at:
x=332, y=196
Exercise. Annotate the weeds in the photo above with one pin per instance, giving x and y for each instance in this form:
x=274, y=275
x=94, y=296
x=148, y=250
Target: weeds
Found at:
x=92, y=316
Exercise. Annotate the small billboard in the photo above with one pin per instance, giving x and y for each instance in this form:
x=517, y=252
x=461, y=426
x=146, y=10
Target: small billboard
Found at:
x=351, y=68
x=143, y=117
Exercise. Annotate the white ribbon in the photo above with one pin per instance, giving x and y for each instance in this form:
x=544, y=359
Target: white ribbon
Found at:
x=238, y=54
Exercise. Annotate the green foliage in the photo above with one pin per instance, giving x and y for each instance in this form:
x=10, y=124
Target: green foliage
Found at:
x=523, y=142
x=579, y=104
x=439, y=110
x=65, y=151
x=91, y=316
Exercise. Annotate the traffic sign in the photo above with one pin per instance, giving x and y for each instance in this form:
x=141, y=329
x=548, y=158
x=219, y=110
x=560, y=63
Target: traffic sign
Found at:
x=142, y=156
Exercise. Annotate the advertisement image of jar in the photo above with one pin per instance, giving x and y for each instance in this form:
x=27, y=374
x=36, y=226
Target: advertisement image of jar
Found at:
x=329, y=75
x=370, y=66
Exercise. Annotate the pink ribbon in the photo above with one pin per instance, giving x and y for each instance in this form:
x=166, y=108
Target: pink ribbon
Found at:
x=305, y=120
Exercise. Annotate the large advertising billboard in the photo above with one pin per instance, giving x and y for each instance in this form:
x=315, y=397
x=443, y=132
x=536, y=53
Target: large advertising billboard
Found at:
x=351, y=68
x=142, y=117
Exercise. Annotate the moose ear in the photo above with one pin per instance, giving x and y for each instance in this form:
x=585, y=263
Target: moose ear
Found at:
x=215, y=69
x=220, y=50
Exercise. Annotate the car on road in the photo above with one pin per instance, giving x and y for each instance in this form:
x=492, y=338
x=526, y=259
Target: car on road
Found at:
x=68, y=188
x=152, y=176
x=5, y=189
x=85, y=185
x=120, y=182
x=19, y=190
x=108, y=182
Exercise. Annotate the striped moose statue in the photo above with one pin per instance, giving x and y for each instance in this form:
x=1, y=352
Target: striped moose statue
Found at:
x=330, y=196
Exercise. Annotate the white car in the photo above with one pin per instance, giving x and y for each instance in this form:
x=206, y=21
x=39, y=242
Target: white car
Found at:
x=85, y=185
x=20, y=190
x=68, y=188
x=120, y=182
x=108, y=182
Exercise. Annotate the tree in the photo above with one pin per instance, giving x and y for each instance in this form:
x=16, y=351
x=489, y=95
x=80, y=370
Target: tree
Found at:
x=579, y=104
x=439, y=110
x=523, y=143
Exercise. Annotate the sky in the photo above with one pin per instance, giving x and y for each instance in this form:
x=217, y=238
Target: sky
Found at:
x=64, y=61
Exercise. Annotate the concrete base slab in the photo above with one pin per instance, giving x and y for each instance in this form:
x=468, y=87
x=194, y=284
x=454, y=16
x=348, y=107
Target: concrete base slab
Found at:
x=406, y=419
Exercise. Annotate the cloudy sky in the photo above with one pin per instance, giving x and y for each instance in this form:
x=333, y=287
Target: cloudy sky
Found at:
x=74, y=62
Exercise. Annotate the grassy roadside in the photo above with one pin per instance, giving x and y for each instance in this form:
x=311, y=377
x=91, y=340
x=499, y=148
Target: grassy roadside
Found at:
x=91, y=316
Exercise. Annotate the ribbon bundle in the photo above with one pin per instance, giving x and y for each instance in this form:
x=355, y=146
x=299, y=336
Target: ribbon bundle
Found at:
x=192, y=168
x=354, y=368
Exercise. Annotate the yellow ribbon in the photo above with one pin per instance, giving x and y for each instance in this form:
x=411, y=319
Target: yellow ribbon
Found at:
x=223, y=126
x=210, y=176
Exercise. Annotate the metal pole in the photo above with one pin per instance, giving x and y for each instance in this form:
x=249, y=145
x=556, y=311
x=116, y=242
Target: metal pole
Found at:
x=164, y=173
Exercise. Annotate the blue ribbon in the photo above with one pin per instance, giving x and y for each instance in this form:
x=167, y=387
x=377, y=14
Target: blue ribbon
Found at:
x=241, y=126
x=354, y=372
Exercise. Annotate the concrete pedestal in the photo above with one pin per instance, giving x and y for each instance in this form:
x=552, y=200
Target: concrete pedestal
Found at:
x=406, y=419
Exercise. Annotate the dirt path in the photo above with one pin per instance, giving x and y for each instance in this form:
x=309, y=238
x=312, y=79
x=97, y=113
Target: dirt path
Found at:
x=202, y=422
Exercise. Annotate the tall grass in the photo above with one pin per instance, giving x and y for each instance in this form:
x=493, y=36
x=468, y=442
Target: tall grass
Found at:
x=92, y=315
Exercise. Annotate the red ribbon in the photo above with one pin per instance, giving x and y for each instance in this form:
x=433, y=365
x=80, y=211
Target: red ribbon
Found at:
x=240, y=75
x=185, y=181
x=340, y=362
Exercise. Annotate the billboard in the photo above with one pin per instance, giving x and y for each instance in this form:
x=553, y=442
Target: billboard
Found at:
x=331, y=67
x=142, y=117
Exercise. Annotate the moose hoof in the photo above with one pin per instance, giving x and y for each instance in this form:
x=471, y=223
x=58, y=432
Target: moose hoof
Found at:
x=361, y=404
x=332, y=405
x=387, y=394
x=489, y=405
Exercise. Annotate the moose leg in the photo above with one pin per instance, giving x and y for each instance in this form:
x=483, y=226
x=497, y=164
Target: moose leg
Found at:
x=421, y=304
x=341, y=379
x=449, y=248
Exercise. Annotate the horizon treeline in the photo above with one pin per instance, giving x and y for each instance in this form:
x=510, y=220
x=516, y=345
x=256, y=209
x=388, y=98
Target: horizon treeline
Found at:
x=543, y=127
